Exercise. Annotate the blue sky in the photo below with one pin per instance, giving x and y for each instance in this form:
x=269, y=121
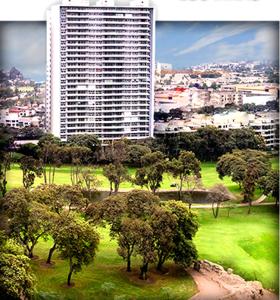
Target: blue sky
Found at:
x=23, y=44
x=185, y=44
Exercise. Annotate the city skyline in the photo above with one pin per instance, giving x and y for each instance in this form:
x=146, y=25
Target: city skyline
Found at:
x=183, y=44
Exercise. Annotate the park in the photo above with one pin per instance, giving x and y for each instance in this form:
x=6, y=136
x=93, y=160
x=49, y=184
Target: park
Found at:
x=245, y=242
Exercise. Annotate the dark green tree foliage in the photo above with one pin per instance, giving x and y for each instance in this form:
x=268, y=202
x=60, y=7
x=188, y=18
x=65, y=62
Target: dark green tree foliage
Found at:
x=145, y=227
x=6, y=145
x=209, y=143
x=77, y=241
x=90, y=141
x=185, y=252
x=164, y=225
x=135, y=153
x=187, y=164
x=17, y=280
x=30, y=169
x=151, y=172
x=28, y=219
x=244, y=167
x=270, y=184
x=29, y=149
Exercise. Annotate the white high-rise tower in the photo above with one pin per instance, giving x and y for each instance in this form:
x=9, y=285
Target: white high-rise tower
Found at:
x=100, y=69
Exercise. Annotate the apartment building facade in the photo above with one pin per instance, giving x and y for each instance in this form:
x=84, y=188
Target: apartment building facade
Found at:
x=100, y=69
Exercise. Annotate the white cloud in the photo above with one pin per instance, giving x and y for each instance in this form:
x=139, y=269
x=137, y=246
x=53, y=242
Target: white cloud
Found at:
x=264, y=46
x=219, y=33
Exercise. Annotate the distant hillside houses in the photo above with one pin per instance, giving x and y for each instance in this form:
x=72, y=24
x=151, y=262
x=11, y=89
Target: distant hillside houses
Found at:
x=264, y=123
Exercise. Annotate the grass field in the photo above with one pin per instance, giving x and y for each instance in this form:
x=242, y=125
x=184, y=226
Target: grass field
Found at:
x=208, y=172
x=108, y=267
x=246, y=243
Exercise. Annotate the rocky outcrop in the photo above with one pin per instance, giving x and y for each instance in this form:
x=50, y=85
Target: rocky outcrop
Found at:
x=235, y=286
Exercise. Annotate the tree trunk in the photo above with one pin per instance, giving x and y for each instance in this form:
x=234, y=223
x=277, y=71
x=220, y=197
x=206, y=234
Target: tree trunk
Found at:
x=116, y=188
x=70, y=273
x=111, y=188
x=180, y=189
x=144, y=270
x=128, y=266
x=51, y=253
x=250, y=204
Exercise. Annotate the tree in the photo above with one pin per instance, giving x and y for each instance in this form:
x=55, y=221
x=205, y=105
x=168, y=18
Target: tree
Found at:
x=185, y=252
x=29, y=149
x=17, y=280
x=28, y=219
x=217, y=195
x=30, y=169
x=145, y=248
x=90, y=141
x=187, y=164
x=6, y=144
x=77, y=241
x=128, y=237
x=151, y=172
x=135, y=153
x=77, y=155
x=117, y=151
x=270, y=184
x=88, y=182
x=50, y=154
x=61, y=200
x=164, y=225
x=116, y=174
x=244, y=167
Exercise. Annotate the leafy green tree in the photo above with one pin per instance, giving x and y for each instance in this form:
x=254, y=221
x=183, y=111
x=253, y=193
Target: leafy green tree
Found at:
x=145, y=248
x=217, y=195
x=6, y=143
x=50, y=153
x=244, y=167
x=151, y=172
x=90, y=141
x=89, y=183
x=30, y=169
x=135, y=153
x=187, y=164
x=128, y=237
x=17, y=280
x=117, y=151
x=116, y=174
x=77, y=241
x=77, y=156
x=270, y=184
x=164, y=225
x=28, y=220
x=29, y=149
x=185, y=252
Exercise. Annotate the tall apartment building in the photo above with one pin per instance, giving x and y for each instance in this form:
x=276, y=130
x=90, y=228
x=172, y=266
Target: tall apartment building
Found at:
x=100, y=69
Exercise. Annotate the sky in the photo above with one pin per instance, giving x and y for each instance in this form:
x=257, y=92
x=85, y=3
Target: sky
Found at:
x=183, y=44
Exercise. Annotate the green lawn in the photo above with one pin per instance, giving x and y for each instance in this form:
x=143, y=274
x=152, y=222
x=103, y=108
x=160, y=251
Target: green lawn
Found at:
x=108, y=267
x=246, y=243
x=208, y=172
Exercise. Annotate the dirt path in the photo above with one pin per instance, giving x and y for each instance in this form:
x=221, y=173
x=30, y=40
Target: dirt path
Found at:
x=208, y=289
x=214, y=283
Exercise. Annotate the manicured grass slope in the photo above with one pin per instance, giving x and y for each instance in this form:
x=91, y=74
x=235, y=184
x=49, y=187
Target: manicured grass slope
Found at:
x=108, y=267
x=246, y=243
x=62, y=176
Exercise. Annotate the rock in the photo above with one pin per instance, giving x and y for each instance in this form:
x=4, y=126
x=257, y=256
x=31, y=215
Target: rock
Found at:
x=229, y=271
